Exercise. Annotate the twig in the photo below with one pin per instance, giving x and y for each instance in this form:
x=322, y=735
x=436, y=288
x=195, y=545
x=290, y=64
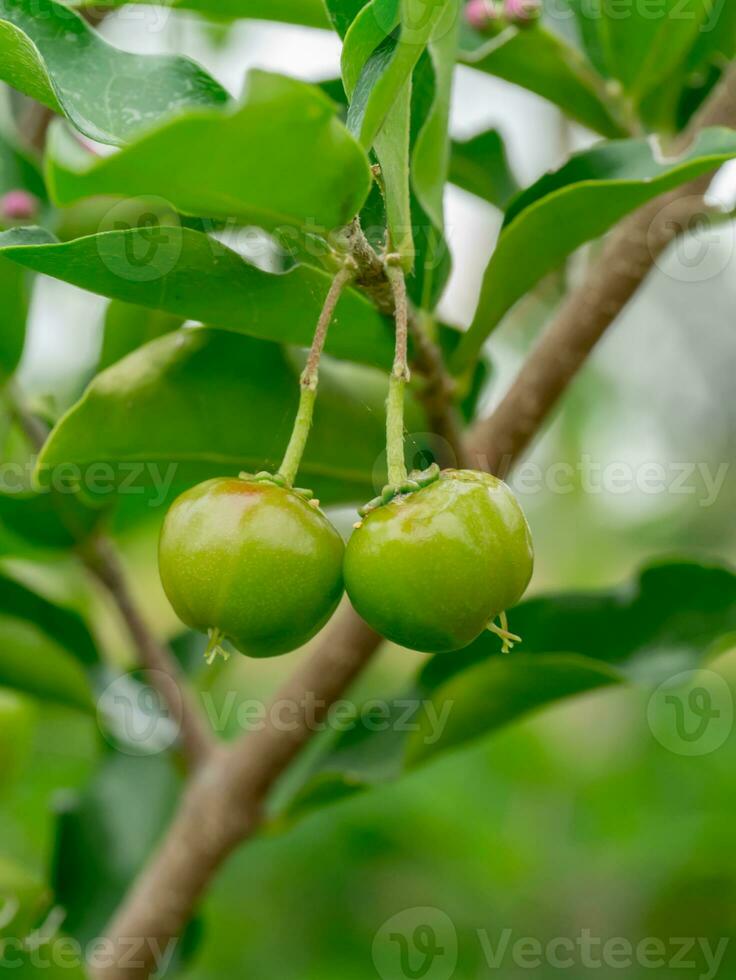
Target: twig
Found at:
x=163, y=673
x=101, y=560
x=223, y=805
x=310, y=377
x=437, y=391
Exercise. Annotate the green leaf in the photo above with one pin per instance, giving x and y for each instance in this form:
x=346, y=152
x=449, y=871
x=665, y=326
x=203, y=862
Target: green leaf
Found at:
x=661, y=623
x=47, y=519
x=575, y=204
x=418, y=23
x=193, y=276
x=391, y=145
x=430, y=160
x=104, y=836
x=479, y=165
x=542, y=62
x=307, y=13
x=48, y=52
x=66, y=627
x=497, y=692
x=128, y=327
x=13, y=316
x=17, y=172
x=32, y=662
x=308, y=169
x=201, y=403
x=342, y=13
x=641, y=49
x=22, y=890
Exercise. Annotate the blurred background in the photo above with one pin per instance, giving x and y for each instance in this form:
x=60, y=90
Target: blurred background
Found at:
x=577, y=818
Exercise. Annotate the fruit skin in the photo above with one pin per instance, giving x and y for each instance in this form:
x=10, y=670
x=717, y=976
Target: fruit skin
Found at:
x=253, y=560
x=431, y=569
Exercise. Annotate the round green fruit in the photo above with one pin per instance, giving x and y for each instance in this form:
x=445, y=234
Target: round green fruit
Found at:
x=430, y=570
x=253, y=561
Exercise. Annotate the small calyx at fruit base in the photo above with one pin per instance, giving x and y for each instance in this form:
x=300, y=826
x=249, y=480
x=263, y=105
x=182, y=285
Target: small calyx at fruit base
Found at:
x=280, y=481
x=416, y=480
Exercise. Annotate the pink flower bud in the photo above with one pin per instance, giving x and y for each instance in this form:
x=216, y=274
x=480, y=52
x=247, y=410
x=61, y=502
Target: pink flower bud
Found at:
x=480, y=14
x=18, y=205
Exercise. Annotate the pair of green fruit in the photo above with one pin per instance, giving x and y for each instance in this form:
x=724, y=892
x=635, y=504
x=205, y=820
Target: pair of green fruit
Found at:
x=430, y=569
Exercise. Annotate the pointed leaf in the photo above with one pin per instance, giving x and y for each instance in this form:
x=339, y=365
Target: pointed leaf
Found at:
x=573, y=205
x=662, y=622
x=32, y=662
x=190, y=275
x=544, y=63
x=48, y=52
x=479, y=165
x=308, y=170
x=307, y=13
x=67, y=628
x=201, y=403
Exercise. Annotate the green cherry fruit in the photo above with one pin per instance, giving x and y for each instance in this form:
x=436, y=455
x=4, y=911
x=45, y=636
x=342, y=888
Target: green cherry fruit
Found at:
x=251, y=561
x=432, y=569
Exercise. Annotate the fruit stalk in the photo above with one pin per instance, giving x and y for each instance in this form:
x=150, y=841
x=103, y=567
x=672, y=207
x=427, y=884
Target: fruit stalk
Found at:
x=399, y=376
x=310, y=378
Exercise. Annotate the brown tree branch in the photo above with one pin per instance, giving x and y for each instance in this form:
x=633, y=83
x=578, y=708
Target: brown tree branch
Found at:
x=163, y=672
x=100, y=558
x=222, y=806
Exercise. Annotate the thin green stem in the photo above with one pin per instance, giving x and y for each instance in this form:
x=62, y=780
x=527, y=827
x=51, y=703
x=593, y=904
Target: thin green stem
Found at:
x=399, y=376
x=310, y=378
x=395, y=432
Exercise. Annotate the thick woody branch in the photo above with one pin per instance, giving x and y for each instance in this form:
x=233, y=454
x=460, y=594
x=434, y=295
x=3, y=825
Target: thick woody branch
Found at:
x=223, y=805
x=626, y=260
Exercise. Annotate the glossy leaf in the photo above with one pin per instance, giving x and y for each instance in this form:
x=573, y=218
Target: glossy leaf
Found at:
x=430, y=160
x=542, y=62
x=308, y=169
x=662, y=622
x=190, y=275
x=641, y=49
x=104, y=835
x=417, y=23
x=33, y=663
x=479, y=165
x=47, y=520
x=13, y=314
x=498, y=691
x=17, y=172
x=201, y=403
x=48, y=52
x=128, y=327
x=573, y=205
x=67, y=628
x=307, y=13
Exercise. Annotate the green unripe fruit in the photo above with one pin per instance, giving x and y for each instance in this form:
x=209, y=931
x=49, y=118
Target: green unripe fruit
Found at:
x=254, y=561
x=432, y=569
